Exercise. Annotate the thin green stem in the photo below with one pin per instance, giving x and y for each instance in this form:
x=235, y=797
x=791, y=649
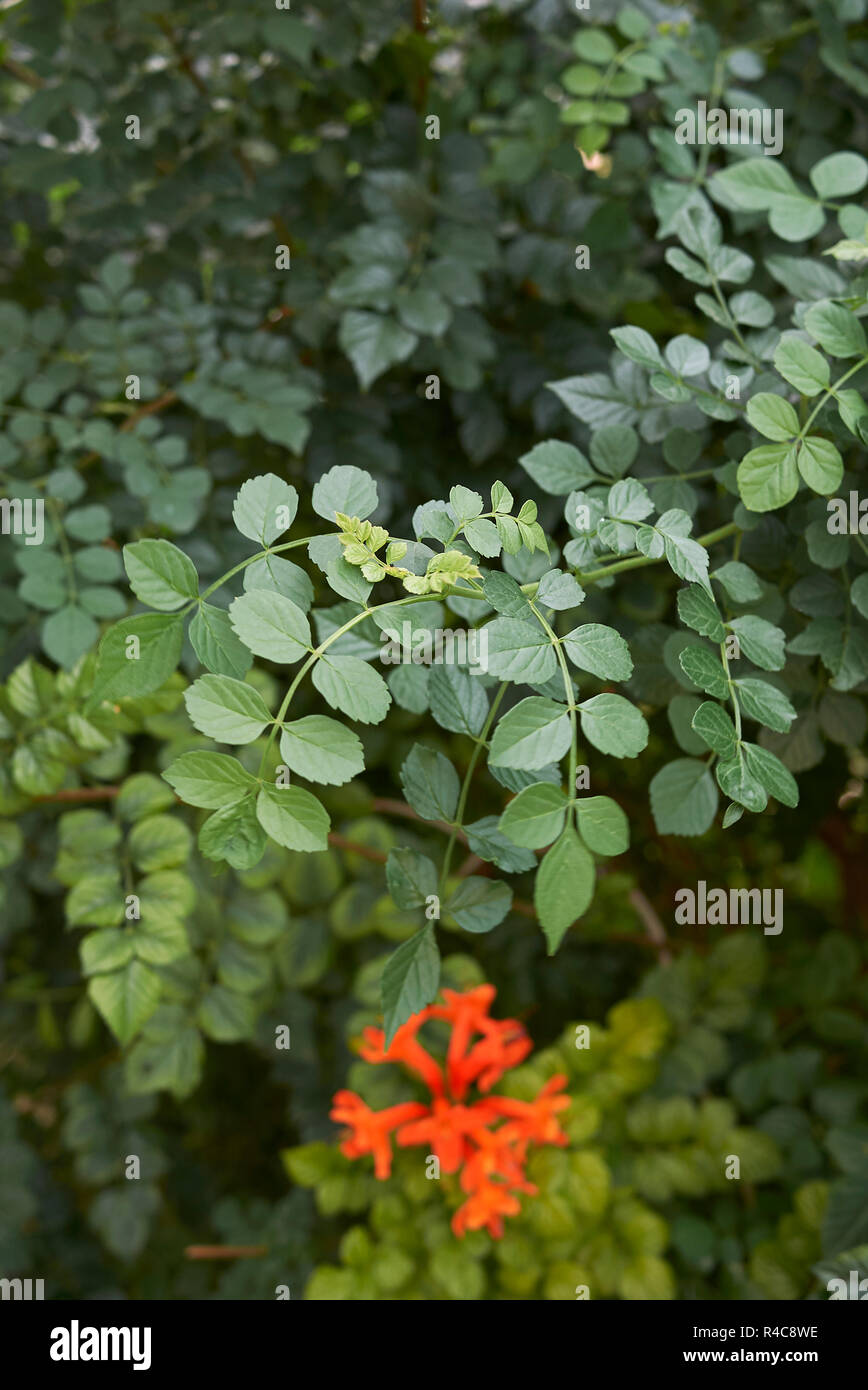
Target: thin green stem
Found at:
x=574, y=724
x=591, y=576
x=479, y=742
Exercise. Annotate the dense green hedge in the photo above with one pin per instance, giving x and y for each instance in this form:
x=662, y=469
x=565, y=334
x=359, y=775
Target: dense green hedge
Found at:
x=316, y=323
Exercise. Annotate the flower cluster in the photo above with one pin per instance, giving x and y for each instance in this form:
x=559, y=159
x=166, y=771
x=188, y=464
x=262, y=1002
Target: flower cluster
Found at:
x=486, y=1138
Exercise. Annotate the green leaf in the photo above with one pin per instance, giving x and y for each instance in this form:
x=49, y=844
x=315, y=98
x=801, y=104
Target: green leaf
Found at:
x=697, y=608
x=346, y=489
x=715, y=727
x=760, y=641
x=411, y=876
x=535, y=818
x=208, y=779
x=705, y=669
x=159, y=842
x=137, y=656
x=234, y=834
x=430, y=784
x=764, y=702
x=216, y=645
x=564, y=887
x=755, y=184
x=373, y=343
x=283, y=577
x=613, y=725
x=265, y=508
x=352, y=686
x=479, y=904
x=600, y=650
x=557, y=468
x=95, y=901
x=160, y=574
x=126, y=998
x=271, y=625
x=778, y=781
x=68, y=634
x=639, y=346
x=686, y=558
x=535, y=732
x=103, y=951
x=836, y=329
x=768, y=477
x=411, y=977
x=483, y=536
x=486, y=839
x=559, y=591
x=820, y=464
x=457, y=700
x=322, y=750
x=802, y=366
x=519, y=651
x=683, y=798
x=603, y=825
x=773, y=417
x=839, y=175
x=225, y=1015
x=736, y=781
x=227, y=710
x=293, y=818
x=739, y=582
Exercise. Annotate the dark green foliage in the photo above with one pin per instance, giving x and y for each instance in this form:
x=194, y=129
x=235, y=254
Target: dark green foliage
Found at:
x=323, y=326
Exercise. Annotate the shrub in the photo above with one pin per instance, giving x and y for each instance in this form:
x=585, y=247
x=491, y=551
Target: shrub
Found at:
x=346, y=355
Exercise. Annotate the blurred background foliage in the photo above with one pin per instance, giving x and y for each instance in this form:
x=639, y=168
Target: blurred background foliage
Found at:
x=155, y=257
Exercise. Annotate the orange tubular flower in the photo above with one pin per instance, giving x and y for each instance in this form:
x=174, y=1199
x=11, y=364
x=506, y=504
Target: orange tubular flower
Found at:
x=487, y=1207
x=446, y=1128
x=487, y=1140
x=536, y=1119
x=404, y=1048
x=371, y=1128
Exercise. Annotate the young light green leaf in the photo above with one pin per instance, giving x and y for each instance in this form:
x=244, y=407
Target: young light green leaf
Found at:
x=760, y=641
